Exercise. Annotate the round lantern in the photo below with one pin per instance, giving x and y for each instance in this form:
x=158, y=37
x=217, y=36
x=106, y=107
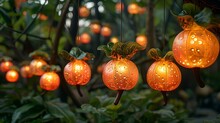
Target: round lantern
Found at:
x=142, y=40
x=26, y=71
x=195, y=47
x=119, y=7
x=36, y=66
x=84, y=12
x=106, y=31
x=5, y=66
x=12, y=76
x=133, y=8
x=85, y=38
x=163, y=76
x=120, y=74
x=95, y=27
x=49, y=81
x=77, y=72
x=114, y=40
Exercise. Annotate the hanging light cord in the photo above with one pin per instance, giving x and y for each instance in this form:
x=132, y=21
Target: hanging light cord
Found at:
x=121, y=20
x=164, y=20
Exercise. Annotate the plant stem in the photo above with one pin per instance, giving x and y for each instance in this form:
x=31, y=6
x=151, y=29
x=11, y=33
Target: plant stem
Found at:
x=79, y=91
x=198, y=78
x=59, y=32
x=164, y=93
x=118, y=97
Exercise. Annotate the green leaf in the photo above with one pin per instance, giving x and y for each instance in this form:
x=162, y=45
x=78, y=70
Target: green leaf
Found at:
x=164, y=113
x=127, y=49
x=113, y=107
x=60, y=110
x=89, y=108
x=18, y=112
x=154, y=53
x=5, y=16
x=105, y=100
x=64, y=54
x=77, y=53
x=39, y=53
x=106, y=48
x=191, y=9
x=204, y=17
x=169, y=56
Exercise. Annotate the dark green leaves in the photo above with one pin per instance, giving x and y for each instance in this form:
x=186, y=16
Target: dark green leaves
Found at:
x=154, y=53
x=76, y=53
x=39, y=54
x=204, y=17
x=121, y=49
x=107, y=48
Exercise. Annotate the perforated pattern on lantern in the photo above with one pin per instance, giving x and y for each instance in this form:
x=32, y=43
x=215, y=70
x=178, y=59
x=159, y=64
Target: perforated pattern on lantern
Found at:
x=26, y=72
x=36, y=66
x=77, y=72
x=195, y=48
x=49, y=81
x=120, y=74
x=163, y=76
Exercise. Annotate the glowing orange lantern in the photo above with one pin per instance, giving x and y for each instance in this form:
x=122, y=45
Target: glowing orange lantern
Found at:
x=195, y=47
x=142, y=40
x=36, y=66
x=5, y=66
x=120, y=74
x=26, y=71
x=142, y=10
x=84, y=11
x=85, y=38
x=18, y=3
x=163, y=76
x=42, y=17
x=101, y=67
x=95, y=27
x=119, y=7
x=133, y=8
x=106, y=31
x=77, y=72
x=114, y=40
x=12, y=76
x=49, y=81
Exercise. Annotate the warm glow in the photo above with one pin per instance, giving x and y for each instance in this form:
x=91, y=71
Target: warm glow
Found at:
x=49, y=81
x=119, y=7
x=77, y=72
x=84, y=12
x=121, y=74
x=106, y=31
x=12, y=76
x=26, y=71
x=163, y=76
x=133, y=8
x=142, y=40
x=5, y=66
x=36, y=67
x=114, y=40
x=195, y=47
x=85, y=38
x=95, y=28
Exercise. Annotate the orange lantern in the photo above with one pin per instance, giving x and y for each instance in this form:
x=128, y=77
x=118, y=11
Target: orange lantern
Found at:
x=5, y=66
x=119, y=7
x=133, y=8
x=84, y=12
x=95, y=27
x=114, y=40
x=120, y=73
x=142, y=40
x=77, y=72
x=42, y=17
x=195, y=47
x=12, y=76
x=26, y=71
x=101, y=67
x=142, y=10
x=36, y=66
x=163, y=75
x=106, y=31
x=49, y=81
x=18, y=3
x=85, y=38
